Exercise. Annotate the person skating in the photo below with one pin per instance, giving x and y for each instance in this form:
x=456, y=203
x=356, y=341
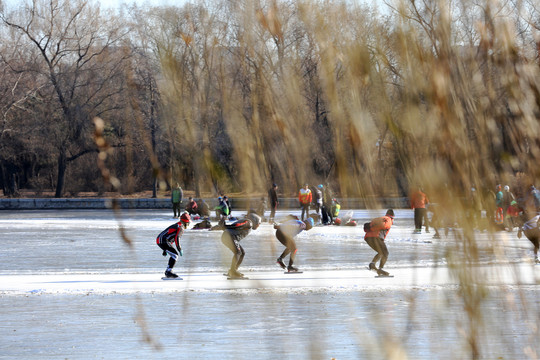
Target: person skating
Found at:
x=305, y=197
x=285, y=233
x=376, y=232
x=231, y=237
x=165, y=241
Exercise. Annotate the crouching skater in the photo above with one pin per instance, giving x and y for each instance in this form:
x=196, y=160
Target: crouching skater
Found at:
x=376, y=232
x=231, y=237
x=167, y=238
x=285, y=233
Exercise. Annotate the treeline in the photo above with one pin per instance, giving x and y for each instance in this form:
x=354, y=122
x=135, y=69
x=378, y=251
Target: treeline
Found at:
x=235, y=95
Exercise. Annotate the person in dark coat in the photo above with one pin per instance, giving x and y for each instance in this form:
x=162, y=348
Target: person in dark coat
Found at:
x=273, y=202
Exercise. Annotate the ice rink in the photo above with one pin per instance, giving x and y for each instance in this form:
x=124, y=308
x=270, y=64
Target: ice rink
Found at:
x=71, y=288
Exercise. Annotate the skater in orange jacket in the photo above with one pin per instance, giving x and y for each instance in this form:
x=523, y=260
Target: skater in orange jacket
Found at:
x=376, y=232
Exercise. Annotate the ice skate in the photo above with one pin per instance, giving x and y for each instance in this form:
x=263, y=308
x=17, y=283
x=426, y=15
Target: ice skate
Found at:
x=382, y=273
x=169, y=275
x=235, y=275
x=281, y=263
x=372, y=267
x=292, y=269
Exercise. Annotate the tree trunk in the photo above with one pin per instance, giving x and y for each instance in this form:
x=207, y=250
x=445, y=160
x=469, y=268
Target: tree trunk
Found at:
x=62, y=165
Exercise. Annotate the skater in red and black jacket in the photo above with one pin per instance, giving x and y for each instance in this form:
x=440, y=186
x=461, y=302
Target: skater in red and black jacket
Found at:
x=285, y=233
x=376, y=232
x=231, y=237
x=167, y=238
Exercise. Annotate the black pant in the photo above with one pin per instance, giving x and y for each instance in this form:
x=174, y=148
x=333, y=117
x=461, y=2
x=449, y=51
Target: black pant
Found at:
x=176, y=209
x=379, y=246
x=420, y=215
x=171, y=251
x=290, y=246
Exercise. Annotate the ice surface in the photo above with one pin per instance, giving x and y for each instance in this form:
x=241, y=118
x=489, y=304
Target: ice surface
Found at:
x=70, y=287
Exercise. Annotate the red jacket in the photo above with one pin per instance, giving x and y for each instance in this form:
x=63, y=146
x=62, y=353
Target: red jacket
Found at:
x=379, y=227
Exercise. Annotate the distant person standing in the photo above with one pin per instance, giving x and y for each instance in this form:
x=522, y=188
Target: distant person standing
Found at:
x=165, y=241
x=419, y=201
x=317, y=199
x=508, y=197
x=376, y=232
x=499, y=205
x=326, y=208
x=273, y=201
x=305, y=197
x=176, y=200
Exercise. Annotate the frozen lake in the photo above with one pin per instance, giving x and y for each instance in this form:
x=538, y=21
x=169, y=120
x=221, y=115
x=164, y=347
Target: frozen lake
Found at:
x=71, y=288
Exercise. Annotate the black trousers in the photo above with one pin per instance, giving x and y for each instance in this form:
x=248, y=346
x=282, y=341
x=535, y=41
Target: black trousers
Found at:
x=420, y=216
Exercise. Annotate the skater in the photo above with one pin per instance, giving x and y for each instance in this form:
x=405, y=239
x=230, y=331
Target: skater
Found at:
x=273, y=201
x=176, y=200
x=376, y=232
x=166, y=239
x=305, y=197
x=285, y=233
x=231, y=237
x=419, y=201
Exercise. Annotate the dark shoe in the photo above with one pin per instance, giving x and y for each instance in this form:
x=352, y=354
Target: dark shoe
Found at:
x=292, y=269
x=170, y=274
x=372, y=266
x=281, y=263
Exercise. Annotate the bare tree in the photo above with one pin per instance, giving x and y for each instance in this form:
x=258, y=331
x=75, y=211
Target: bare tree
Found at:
x=80, y=56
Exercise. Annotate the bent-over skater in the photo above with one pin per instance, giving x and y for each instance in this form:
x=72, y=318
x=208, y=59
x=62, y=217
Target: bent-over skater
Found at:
x=231, y=237
x=376, y=232
x=285, y=233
